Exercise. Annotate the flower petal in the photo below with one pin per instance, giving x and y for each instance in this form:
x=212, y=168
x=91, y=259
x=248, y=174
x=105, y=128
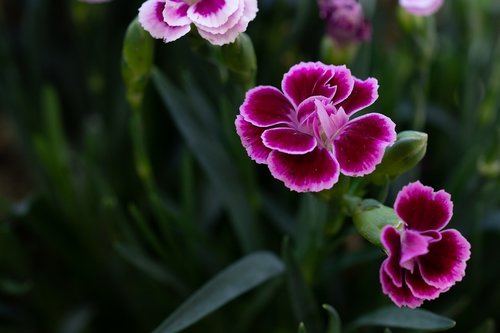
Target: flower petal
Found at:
x=360, y=145
x=228, y=32
x=444, y=265
x=229, y=36
x=151, y=19
x=343, y=81
x=413, y=244
x=251, y=10
x=419, y=288
x=306, y=111
x=423, y=209
x=401, y=296
x=364, y=94
x=391, y=240
x=175, y=13
x=212, y=13
x=288, y=140
x=266, y=106
x=250, y=136
x=233, y=20
x=311, y=172
x=421, y=7
x=308, y=79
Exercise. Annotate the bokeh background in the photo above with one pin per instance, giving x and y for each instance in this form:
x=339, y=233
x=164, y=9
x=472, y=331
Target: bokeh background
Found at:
x=110, y=218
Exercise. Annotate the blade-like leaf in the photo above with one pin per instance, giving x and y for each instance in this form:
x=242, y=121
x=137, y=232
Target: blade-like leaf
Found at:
x=213, y=158
x=405, y=318
x=334, y=325
x=302, y=299
x=235, y=280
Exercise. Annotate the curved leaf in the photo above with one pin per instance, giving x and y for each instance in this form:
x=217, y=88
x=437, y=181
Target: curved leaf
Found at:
x=235, y=280
x=405, y=318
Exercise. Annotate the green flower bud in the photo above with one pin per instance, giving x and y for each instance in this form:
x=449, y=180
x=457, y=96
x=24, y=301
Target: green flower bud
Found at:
x=240, y=58
x=370, y=217
x=137, y=62
x=404, y=154
x=410, y=22
x=333, y=53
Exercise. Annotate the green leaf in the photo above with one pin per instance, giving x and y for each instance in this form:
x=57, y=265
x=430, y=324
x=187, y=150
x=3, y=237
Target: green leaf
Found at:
x=488, y=326
x=302, y=328
x=303, y=302
x=212, y=155
x=405, y=318
x=240, y=277
x=150, y=267
x=334, y=326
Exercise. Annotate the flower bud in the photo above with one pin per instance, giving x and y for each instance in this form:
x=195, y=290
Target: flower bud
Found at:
x=333, y=53
x=240, y=58
x=345, y=21
x=410, y=22
x=137, y=62
x=370, y=217
x=404, y=154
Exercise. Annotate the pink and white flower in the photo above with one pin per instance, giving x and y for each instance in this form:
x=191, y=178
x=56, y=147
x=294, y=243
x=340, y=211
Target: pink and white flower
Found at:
x=421, y=7
x=424, y=260
x=305, y=134
x=218, y=21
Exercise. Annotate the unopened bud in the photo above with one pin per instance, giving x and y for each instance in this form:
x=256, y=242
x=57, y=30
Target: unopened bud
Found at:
x=239, y=57
x=333, y=53
x=137, y=62
x=370, y=217
x=404, y=154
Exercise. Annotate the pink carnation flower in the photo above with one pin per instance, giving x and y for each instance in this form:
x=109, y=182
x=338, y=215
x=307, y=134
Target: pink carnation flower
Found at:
x=421, y=7
x=218, y=21
x=424, y=260
x=305, y=135
x=345, y=21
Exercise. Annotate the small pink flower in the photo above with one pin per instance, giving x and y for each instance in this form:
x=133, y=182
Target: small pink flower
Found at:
x=423, y=260
x=305, y=135
x=345, y=21
x=218, y=21
x=421, y=7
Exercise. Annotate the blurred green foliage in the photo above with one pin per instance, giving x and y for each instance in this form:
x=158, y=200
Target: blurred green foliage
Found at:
x=112, y=216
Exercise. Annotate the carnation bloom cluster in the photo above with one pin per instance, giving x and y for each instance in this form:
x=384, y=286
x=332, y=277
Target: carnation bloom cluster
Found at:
x=306, y=133
x=218, y=21
x=345, y=21
x=421, y=7
x=423, y=259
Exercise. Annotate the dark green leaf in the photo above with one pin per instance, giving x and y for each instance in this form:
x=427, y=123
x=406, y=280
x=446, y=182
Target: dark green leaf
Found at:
x=303, y=302
x=213, y=158
x=235, y=280
x=405, y=318
x=334, y=326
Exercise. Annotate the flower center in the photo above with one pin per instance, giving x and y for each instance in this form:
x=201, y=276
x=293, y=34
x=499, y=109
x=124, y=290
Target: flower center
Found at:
x=331, y=122
x=191, y=2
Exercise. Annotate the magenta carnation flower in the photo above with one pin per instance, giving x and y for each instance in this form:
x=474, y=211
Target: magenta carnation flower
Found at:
x=423, y=260
x=421, y=7
x=218, y=21
x=305, y=134
x=345, y=21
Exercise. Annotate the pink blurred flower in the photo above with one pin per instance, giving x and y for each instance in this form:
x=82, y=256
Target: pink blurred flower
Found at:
x=218, y=21
x=421, y=7
x=305, y=135
x=94, y=1
x=423, y=260
x=345, y=21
